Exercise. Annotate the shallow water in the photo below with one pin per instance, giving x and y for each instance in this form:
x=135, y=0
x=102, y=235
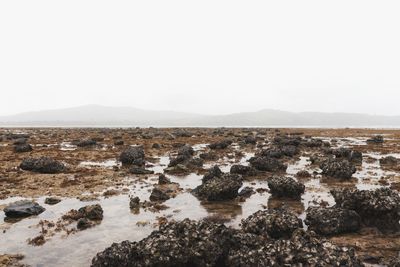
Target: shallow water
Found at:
x=120, y=223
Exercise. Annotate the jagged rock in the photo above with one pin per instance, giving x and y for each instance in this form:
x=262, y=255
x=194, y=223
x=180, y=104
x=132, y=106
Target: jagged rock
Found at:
x=23, y=208
x=213, y=172
x=267, y=164
x=243, y=170
x=218, y=188
x=204, y=243
x=303, y=174
x=276, y=223
x=164, y=192
x=178, y=169
x=221, y=144
x=346, y=153
x=23, y=148
x=338, y=168
x=250, y=139
x=285, y=187
x=42, y=165
x=332, y=221
x=246, y=192
x=134, y=203
x=287, y=141
x=185, y=154
x=132, y=155
x=378, y=208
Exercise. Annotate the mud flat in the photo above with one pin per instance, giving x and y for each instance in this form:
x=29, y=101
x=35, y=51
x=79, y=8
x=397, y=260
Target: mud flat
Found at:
x=199, y=197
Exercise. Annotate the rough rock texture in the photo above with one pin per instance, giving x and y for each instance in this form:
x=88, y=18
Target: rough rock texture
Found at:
x=164, y=191
x=42, y=165
x=267, y=164
x=275, y=223
x=52, y=200
x=139, y=170
x=86, y=143
x=132, y=155
x=346, y=153
x=22, y=148
x=389, y=161
x=221, y=144
x=213, y=172
x=243, y=170
x=197, y=244
x=379, y=208
x=218, y=188
x=332, y=221
x=23, y=208
x=285, y=187
x=338, y=168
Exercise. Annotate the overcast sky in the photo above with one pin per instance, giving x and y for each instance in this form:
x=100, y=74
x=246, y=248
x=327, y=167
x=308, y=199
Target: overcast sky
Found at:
x=212, y=57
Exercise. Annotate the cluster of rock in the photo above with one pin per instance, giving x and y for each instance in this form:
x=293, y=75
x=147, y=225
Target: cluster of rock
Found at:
x=164, y=190
x=377, y=208
x=349, y=154
x=282, y=186
x=133, y=155
x=184, y=161
x=338, y=168
x=204, y=243
x=217, y=185
x=85, y=217
x=221, y=144
x=42, y=165
x=268, y=164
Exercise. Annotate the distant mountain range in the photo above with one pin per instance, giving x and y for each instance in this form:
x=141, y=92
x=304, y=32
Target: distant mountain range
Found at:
x=96, y=115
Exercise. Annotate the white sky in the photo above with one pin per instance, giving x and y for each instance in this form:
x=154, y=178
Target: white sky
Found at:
x=201, y=56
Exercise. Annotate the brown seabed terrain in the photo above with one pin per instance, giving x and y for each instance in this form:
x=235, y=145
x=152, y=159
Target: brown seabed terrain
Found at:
x=95, y=187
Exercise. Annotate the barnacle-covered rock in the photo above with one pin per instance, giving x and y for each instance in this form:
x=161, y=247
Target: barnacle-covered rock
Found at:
x=267, y=164
x=282, y=186
x=42, y=165
x=349, y=154
x=276, y=223
x=389, y=161
x=185, y=153
x=213, y=172
x=132, y=155
x=332, y=221
x=379, y=208
x=22, y=148
x=162, y=192
x=243, y=170
x=338, y=168
x=218, y=188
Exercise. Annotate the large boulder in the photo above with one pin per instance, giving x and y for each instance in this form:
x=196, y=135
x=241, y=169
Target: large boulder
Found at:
x=23, y=208
x=338, y=168
x=218, y=188
x=349, y=154
x=22, y=148
x=332, y=221
x=378, y=208
x=189, y=243
x=281, y=186
x=275, y=223
x=132, y=155
x=243, y=170
x=267, y=164
x=42, y=165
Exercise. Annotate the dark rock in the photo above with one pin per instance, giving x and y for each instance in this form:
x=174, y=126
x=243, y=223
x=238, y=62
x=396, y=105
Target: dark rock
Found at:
x=132, y=155
x=164, y=192
x=134, y=203
x=189, y=243
x=20, y=141
x=139, y=170
x=377, y=139
x=221, y=144
x=267, y=164
x=287, y=141
x=346, y=153
x=42, y=165
x=208, y=156
x=84, y=223
x=272, y=153
x=52, y=200
x=246, y=192
x=86, y=143
x=303, y=174
x=178, y=169
x=23, y=208
x=250, y=139
x=243, y=170
x=377, y=208
x=332, y=221
x=92, y=212
x=290, y=150
x=213, y=172
x=118, y=142
x=389, y=161
x=162, y=179
x=23, y=148
x=285, y=187
x=218, y=188
x=156, y=146
x=276, y=223
x=338, y=168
